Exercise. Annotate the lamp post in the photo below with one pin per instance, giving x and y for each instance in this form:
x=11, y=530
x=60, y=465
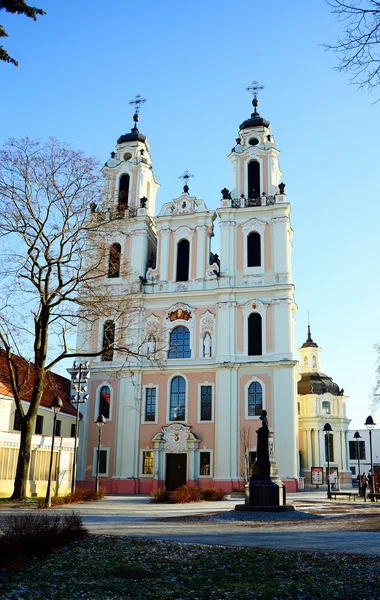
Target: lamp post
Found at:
x=328, y=429
x=79, y=376
x=370, y=424
x=56, y=405
x=358, y=437
x=100, y=421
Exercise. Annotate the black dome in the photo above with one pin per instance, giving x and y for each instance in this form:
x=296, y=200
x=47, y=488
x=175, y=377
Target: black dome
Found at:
x=134, y=136
x=317, y=383
x=254, y=121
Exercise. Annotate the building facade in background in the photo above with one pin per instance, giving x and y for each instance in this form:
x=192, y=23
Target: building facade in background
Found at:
x=10, y=427
x=216, y=331
x=321, y=401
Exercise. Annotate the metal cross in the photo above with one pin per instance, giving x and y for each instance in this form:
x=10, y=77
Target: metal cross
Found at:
x=185, y=177
x=254, y=88
x=137, y=102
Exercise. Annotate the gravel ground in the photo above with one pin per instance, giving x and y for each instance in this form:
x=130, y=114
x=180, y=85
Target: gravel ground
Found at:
x=234, y=515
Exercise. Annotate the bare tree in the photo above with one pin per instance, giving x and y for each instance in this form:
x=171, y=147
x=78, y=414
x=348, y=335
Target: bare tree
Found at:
x=245, y=446
x=54, y=265
x=358, y=48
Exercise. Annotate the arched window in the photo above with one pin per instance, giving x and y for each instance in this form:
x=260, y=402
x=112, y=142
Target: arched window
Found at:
x=254, y=179
x=183, y=256
x=177, y=399
x=114, y=261
x=255, y=399
x=254, y=335
x=123, y=191
x=108, y=340
x=314, y=362
x=326, y=407
x=253, y=250
x=104, y=401
x=305, y=362
x=180, y=343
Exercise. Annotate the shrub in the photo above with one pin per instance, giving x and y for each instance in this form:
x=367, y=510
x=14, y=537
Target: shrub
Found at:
x=80, y=495
x=38, y=532
x=160, y=496
x=186, y=493
x=238, y=489
x=213, y=494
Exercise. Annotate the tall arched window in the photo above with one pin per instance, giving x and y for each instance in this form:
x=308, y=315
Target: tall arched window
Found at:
x=255, y=399
x=114, y=261
x=180, y=343
x=253, y=250
x=314, y=362
x=254, y=179
x=177, y=399
x=255, y=335
x=183, y=259
x=123, y=191
x=305, y=362
x=108, y=340
x=104, y=401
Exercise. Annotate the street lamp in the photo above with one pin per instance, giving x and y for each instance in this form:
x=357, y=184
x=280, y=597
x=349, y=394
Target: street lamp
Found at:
x=328, y=429
x=100, y=421
x=358, y=437
x=370, y=424
x=79, y=377
x=56, y=405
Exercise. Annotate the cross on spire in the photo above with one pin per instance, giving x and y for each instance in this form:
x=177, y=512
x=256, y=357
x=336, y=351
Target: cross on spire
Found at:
x=254, y=88
x=185, y=177
x=137, y=102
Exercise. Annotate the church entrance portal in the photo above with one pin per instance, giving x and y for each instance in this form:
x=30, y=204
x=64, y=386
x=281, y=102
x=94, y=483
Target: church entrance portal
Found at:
x=175, y=470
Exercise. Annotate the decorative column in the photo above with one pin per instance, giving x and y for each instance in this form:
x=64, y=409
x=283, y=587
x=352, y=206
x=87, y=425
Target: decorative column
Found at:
x=201, y=251
x=164, y=254
x=228, y=248
x=281, y=246
x=309, y=450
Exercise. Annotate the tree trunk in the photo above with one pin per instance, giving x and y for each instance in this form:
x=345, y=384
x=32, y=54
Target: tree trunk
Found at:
x=23, y=462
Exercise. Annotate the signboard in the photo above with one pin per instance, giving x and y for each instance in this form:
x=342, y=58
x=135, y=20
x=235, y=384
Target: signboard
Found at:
x=317, y=475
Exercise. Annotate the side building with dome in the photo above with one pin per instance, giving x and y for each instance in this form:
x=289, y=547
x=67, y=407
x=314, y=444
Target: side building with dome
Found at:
x=321, y=401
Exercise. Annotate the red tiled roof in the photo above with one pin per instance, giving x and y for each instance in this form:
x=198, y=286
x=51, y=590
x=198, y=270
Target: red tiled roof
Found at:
x=55, y=384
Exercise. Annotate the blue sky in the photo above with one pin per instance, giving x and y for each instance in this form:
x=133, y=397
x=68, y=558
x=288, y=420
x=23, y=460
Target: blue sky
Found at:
x=82, y=63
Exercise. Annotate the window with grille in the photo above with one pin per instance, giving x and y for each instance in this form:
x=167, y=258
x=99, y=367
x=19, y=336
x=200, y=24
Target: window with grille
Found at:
x=180, y=343
x=39, y=425
x=150, y=404
x=326, y=408
x=177, y=399
x=206, y=403
x=255, y=399
x=103, y=456
x=205, y=463
x=148, y=463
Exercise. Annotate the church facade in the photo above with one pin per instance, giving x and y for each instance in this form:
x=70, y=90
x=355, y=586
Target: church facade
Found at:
x=213, y=334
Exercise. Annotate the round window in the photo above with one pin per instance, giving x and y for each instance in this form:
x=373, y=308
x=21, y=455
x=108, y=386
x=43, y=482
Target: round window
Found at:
x=127, y=156
x=253, y=142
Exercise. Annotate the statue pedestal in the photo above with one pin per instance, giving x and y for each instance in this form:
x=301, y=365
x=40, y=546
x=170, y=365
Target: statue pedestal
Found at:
x=266, y=490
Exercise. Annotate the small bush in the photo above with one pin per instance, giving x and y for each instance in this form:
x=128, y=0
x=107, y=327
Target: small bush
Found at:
x=238, y=489
x=186, y=493
x=80, y=495
x=160, y=496
x=213, y=494
x=38, y=532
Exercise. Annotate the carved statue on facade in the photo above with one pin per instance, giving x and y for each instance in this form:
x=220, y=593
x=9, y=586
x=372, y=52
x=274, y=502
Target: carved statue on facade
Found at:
x=207, y=346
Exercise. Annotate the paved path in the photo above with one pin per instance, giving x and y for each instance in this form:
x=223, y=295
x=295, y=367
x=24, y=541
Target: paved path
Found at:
x=135, y=516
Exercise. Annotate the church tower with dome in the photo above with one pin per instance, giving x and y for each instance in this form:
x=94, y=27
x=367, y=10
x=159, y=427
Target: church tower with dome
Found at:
x=213, y=334
x=321, y=401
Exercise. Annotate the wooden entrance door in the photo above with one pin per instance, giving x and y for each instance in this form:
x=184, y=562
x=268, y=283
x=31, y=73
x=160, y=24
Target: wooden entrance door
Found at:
x=175, y=470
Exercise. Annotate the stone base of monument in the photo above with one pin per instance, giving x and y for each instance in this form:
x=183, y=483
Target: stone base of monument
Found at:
x=252, y=508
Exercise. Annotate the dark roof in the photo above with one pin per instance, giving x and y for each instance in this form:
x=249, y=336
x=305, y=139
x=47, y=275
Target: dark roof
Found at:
x=134, y=136
x=309, y=342
x=317, y=383
x=255, y=121
x=55, y=384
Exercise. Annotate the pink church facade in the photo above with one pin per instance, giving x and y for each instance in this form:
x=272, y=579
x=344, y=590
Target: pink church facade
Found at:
x=213, y=334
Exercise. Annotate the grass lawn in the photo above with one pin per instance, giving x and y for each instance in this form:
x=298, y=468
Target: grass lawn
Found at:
x=113, y=568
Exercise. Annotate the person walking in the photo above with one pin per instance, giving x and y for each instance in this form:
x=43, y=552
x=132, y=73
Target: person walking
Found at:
x=364, y=483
